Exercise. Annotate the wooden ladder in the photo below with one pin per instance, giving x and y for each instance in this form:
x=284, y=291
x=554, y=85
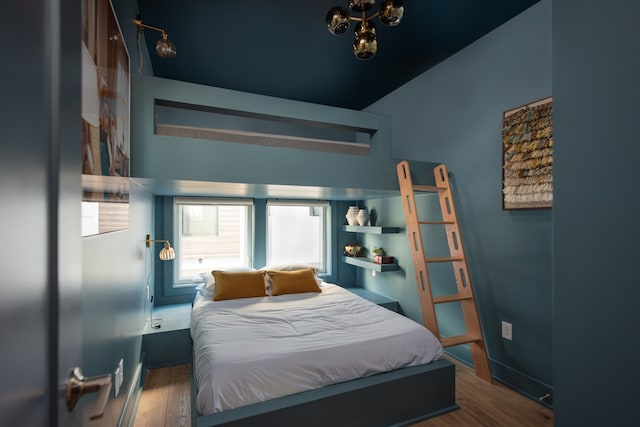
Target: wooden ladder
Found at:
x=473, y=335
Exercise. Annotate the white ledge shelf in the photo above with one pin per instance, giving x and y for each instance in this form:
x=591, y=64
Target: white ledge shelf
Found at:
x=371, y=229
x=368, y=263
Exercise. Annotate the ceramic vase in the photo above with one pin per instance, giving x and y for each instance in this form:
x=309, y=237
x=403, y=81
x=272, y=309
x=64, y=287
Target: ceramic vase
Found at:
x=363, y=217
x=352, y=215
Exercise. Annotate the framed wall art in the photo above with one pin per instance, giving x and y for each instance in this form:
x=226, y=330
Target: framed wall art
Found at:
x=105, y=121
x=527, y=156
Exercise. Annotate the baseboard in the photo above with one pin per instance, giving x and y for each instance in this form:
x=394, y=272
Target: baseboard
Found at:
x=133, y=397
x=523, y=383
x=512, y=378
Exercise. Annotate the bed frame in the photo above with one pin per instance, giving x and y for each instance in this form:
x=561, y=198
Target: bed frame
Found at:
x=397, y=398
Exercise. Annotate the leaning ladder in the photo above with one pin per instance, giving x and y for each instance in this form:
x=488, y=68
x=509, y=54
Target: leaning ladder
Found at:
x=473, y=335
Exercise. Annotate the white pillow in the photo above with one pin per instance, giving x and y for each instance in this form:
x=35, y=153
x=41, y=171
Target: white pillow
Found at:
x=207, y=287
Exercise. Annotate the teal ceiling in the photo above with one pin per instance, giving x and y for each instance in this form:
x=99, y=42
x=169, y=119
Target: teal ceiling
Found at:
x=282, y=48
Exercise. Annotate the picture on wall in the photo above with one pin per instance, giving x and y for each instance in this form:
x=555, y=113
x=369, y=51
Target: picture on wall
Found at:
x=105, y=121
x=527, y=156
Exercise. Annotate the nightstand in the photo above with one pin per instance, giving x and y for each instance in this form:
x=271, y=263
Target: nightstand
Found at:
x=381, y=300
x=170, y=344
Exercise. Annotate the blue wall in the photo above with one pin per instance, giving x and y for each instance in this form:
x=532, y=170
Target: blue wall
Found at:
x=114, y=270
x=452, y=114
x=114, y=299
x=401, y=284
x=596, y=345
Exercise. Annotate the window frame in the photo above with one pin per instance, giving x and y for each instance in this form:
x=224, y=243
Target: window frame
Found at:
x=326, y=205
x=178, y=202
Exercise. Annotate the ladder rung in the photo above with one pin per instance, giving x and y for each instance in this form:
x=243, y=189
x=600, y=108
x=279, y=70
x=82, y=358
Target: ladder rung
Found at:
x=428, y=188
x=451, y=298
x=436, y=222
x=444, y=259
x=459, y=339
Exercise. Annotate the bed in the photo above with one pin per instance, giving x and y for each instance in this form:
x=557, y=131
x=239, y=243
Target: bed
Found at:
x=324, y=357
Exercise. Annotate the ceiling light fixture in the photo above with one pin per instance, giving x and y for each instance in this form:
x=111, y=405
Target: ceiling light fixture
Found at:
x=365, y=43
x=164, y=47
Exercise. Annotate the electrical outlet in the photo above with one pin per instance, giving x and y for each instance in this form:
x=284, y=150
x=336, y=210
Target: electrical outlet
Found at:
x=507, y=330
x=119, y=377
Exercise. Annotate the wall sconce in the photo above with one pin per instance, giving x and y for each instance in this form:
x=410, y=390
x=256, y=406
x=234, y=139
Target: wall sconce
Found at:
x=167, y=253
x=365, y=43
x=164, y=47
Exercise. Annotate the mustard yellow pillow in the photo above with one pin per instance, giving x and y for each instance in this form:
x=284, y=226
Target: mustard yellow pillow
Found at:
x=231, y=285
x=293, y=282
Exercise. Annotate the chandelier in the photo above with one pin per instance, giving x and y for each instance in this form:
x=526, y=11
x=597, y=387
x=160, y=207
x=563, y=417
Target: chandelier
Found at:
x=365, y=43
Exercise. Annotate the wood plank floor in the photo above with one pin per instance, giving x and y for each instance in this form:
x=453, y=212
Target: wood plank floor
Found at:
x=489, y=405
x=165, y=402
x=166, y=398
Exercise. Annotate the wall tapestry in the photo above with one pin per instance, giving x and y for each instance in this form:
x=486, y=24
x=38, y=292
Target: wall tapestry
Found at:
x=105, y=121
x=527, y=156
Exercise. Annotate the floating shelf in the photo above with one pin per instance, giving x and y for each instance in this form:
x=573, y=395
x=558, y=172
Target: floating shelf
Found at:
x=371, y=229
x=368, y=263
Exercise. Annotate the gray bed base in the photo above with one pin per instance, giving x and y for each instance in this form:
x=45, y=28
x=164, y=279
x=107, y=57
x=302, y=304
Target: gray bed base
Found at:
x=397, y=398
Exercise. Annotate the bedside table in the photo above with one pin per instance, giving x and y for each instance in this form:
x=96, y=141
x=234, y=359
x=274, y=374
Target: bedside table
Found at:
x=381, y=300
x=170, y=344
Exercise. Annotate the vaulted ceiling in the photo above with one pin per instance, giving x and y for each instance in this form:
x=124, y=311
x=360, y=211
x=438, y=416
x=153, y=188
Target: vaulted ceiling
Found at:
x=282, y=48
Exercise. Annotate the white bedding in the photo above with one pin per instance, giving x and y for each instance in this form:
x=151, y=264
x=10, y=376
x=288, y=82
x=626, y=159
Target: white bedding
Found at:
x=254, y=349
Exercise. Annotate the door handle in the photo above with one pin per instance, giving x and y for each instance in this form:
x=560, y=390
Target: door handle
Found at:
x=79, y=385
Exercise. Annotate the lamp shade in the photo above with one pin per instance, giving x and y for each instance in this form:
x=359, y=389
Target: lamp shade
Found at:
x=365, y=44
x=165, y=48
x=338, y=20
x=391, y=12
x=167, y=253
x=361, y=5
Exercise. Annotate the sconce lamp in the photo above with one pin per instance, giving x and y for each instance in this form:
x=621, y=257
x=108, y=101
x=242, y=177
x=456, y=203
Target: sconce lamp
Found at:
x=167, y=253
x=164, y=47
x=365, y=43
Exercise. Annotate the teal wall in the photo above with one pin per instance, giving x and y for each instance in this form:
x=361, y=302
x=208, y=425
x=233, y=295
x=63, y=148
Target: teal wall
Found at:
x=114, y=270
x=452, y=114
x=596, y=345
x=115, y=306
x=159, y=157
x=401, y=284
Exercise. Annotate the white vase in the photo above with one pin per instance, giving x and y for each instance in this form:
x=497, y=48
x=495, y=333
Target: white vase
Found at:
x=352, y=215
x=363, y=217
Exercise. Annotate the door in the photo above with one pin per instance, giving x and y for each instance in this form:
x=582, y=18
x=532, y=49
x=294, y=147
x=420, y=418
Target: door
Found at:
x=40, y=192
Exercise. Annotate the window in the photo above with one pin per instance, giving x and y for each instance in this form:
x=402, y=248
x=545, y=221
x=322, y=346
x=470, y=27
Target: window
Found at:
x=297, y=233
x=211, y=234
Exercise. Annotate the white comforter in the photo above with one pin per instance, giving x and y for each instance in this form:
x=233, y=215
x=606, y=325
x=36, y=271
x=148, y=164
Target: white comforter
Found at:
x=255, y=349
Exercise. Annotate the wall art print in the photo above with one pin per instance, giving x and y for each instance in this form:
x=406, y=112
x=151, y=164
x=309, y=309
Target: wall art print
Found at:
x=527, y=156
x=105, y=121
